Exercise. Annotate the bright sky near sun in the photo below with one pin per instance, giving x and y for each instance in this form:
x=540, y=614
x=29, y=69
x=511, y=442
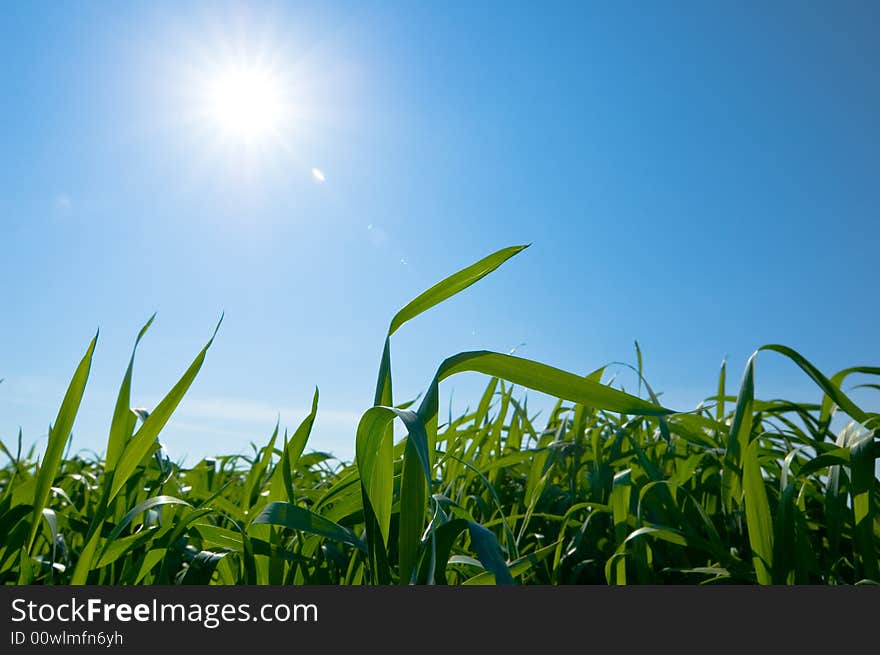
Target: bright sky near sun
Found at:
x=702, y=177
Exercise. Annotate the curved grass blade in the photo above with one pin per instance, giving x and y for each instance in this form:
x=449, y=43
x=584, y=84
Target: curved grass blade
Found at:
x=831, y=390
x=52, y=522
x=376, y=519
x=837, y=380
x=452, y=285
x=489, y=553
x=201, y=568
x=298, y=518
x=140, y=508
x=615, y=567
x=518, y=567
x=443, y=538
x=543, y=378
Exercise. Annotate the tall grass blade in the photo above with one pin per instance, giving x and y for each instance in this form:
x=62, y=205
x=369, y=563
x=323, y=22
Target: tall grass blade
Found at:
x=758, y=518
x=58, y=435
x=738, y=437
x=145, y=438
x=864, y=483
x=123, y=422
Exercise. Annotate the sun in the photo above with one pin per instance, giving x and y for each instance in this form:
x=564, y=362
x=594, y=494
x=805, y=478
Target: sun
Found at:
x=246, y=103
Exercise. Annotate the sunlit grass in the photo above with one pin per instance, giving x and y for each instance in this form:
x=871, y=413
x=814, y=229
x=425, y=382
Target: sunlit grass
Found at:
x=609, y=487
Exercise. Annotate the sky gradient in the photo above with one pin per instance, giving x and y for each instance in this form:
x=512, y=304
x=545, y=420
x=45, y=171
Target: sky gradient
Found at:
x=702, y=177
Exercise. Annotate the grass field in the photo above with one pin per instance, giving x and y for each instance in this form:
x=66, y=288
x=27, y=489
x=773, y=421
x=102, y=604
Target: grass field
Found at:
x=610, y=487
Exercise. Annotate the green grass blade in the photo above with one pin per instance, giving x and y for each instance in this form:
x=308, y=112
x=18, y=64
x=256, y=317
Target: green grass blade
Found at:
x=412, y=510
x=837, y=380
x=662, y=533
x=543, y=378
x=254, y=476
x=298, y=518
x=518, y=567
x=758, y=518
x=86, y=557
x=621, y=492
x=722, y=391
x=124, y=420
x=375, y=462
x=145, y=438
x=282, y=479
x=784, y=539
x=140, y=508
x=831, y=390
x=58, y=435
x=443, y=538
x=374, y=457
x=864, y=481
x=738, y=438
x=489, y=553
x=201, y=568
x=452, y=285
x=301, y=436
x=384, y=393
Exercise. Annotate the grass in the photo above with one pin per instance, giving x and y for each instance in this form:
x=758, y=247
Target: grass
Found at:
x=611, y=488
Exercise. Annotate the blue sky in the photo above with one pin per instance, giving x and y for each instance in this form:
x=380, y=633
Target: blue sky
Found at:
x=702, y=177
